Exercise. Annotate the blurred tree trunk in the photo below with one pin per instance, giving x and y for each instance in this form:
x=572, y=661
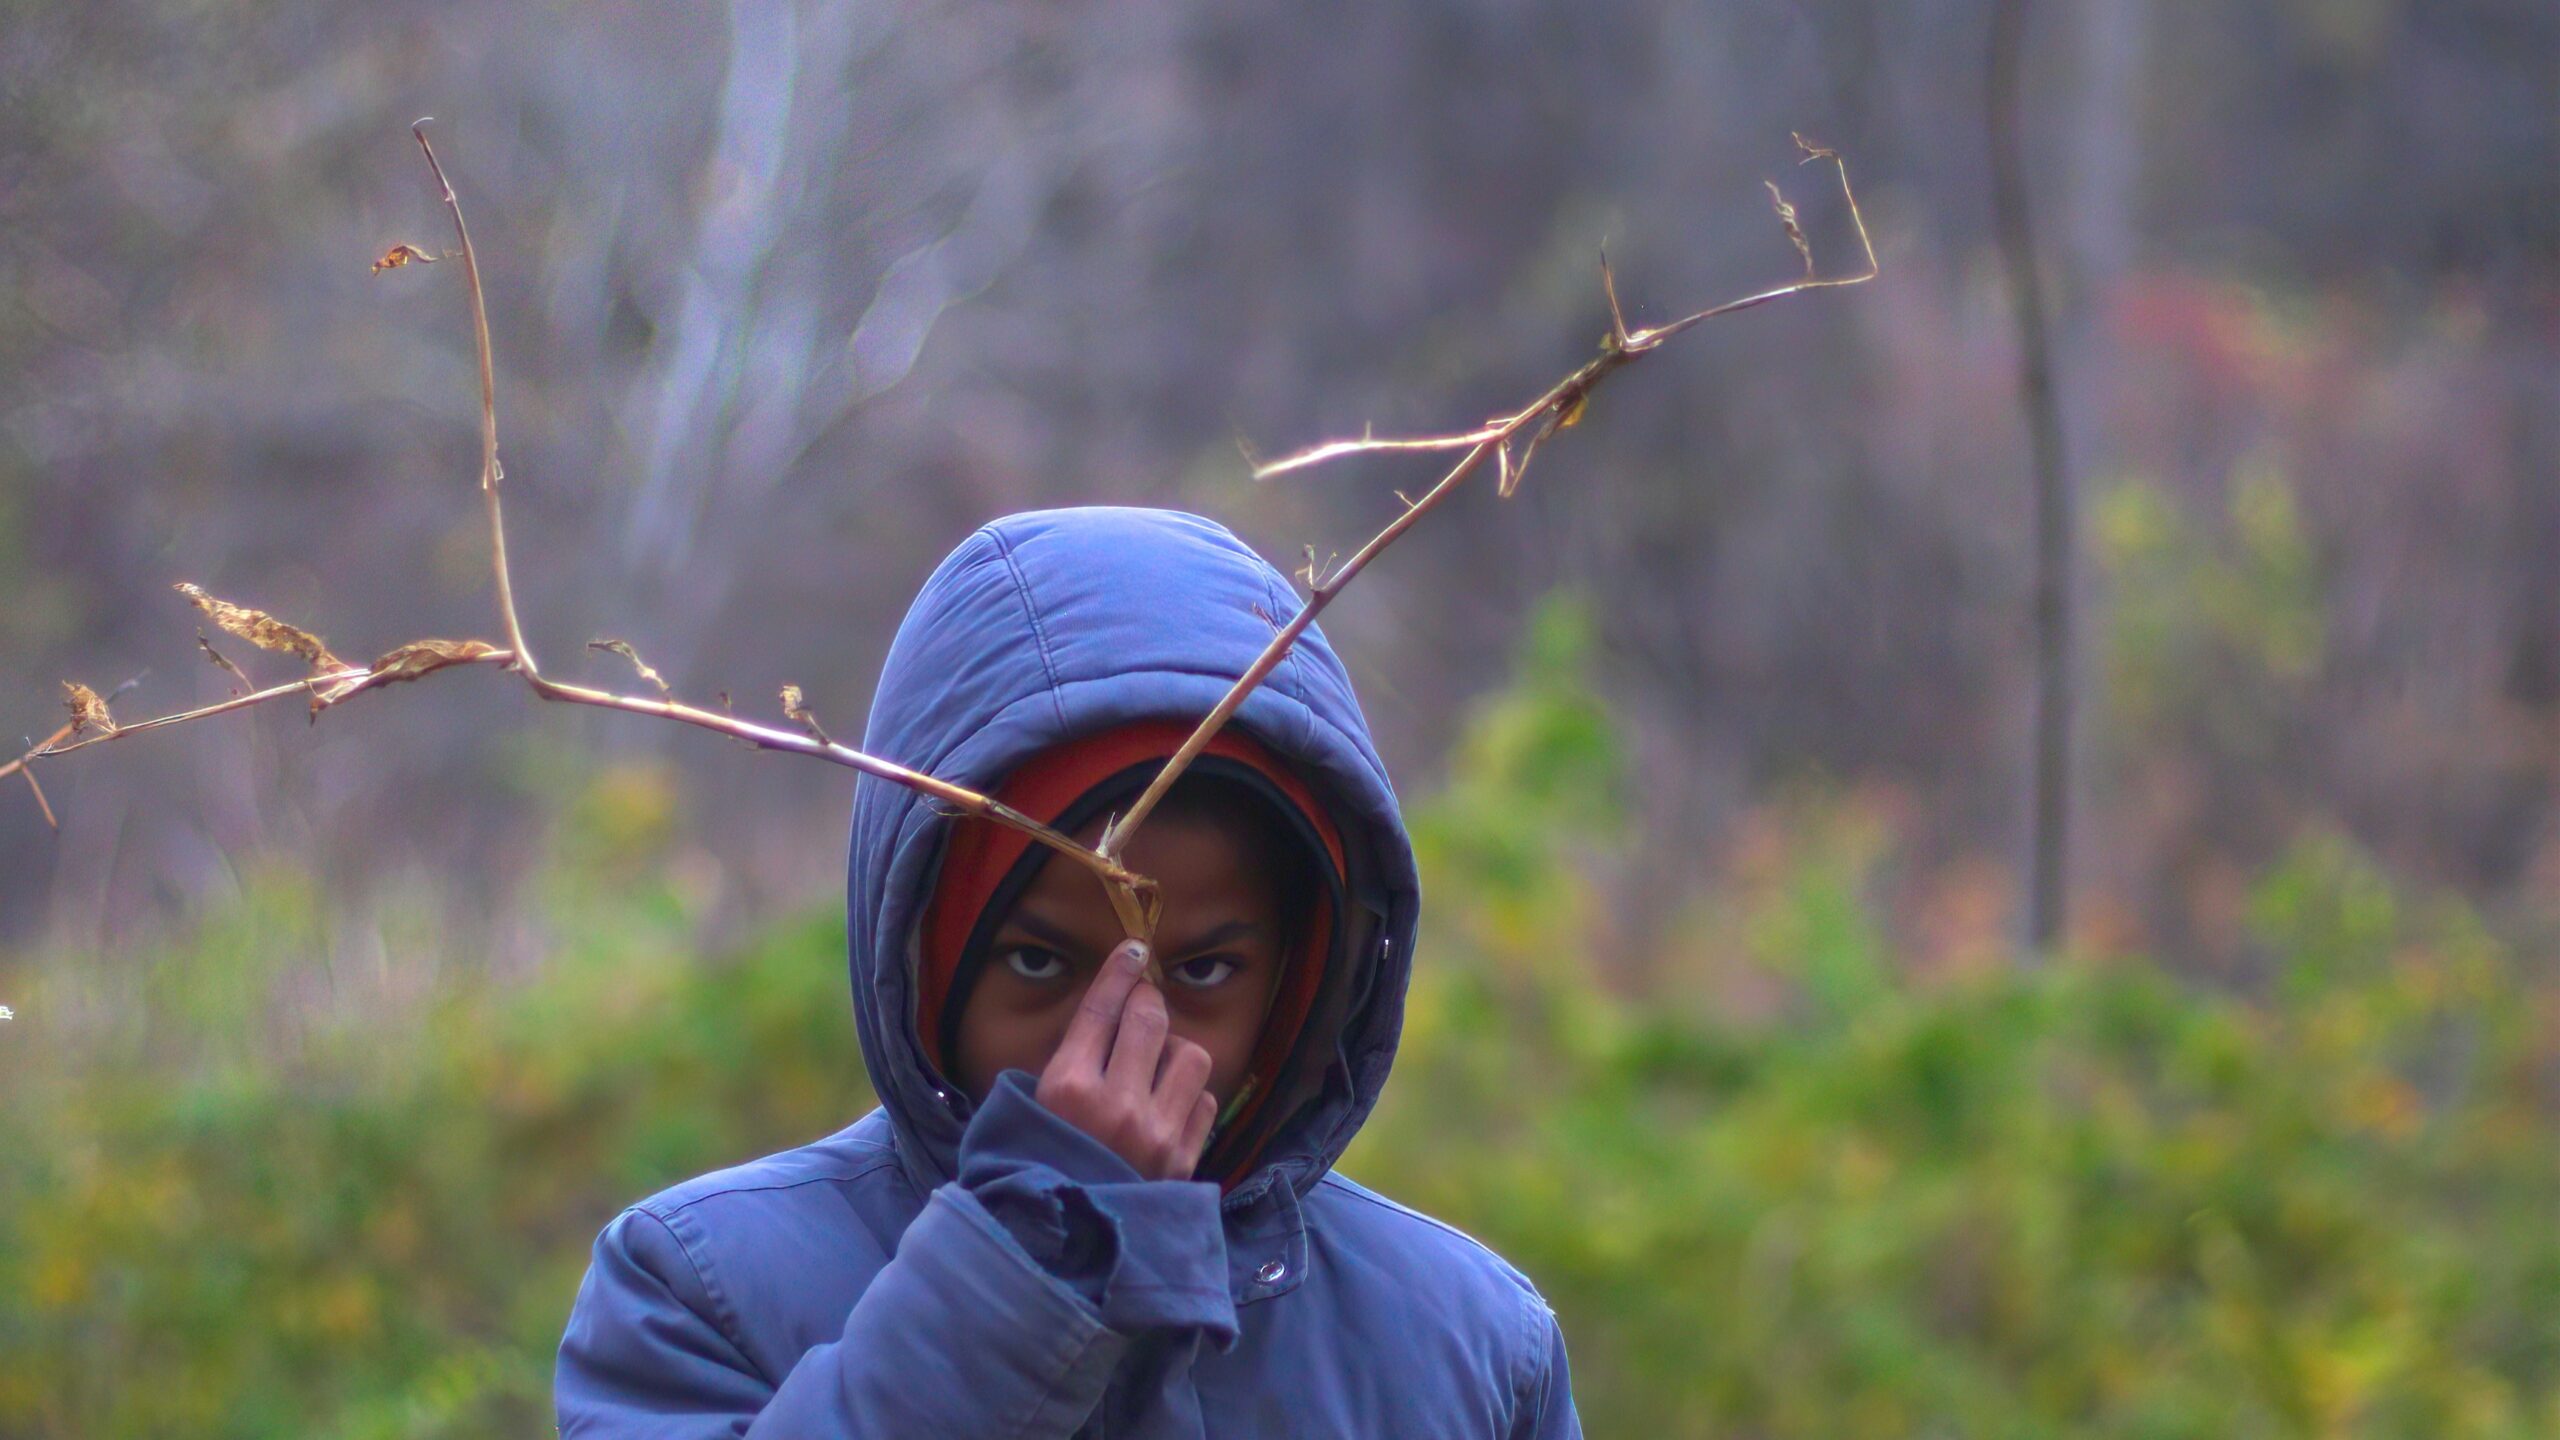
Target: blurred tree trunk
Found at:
x=2054, y=524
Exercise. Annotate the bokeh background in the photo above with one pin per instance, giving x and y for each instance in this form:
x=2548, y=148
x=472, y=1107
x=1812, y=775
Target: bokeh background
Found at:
x=333, y=1045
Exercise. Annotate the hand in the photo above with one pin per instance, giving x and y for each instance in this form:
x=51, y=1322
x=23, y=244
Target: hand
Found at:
x=1122, y=1076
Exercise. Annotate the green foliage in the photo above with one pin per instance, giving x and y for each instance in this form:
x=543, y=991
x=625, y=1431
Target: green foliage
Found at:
x=265, y=1186
x=2210, y=624
x=217, y=1221
x=2089, y=1201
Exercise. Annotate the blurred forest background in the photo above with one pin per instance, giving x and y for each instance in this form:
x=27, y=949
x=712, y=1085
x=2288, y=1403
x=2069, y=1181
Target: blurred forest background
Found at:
x=334, y=1045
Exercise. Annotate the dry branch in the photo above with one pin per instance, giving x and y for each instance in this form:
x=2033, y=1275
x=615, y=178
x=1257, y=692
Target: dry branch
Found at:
x=334, y=681
x=65, y=731
x=1560, y=408
x=1134, y=897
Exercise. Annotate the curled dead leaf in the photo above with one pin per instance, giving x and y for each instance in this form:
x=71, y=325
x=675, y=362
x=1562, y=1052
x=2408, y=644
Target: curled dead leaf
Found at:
x=240, y=683
x=262, y=629
x=399, y=255
x=796, y=706
x=406, y=662
x=1787, y=217
x=88, y=712
x=1315, y=572
x=623, y=649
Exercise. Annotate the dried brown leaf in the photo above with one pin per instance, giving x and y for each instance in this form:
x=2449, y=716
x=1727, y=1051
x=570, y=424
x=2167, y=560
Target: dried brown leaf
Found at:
x=399, y=255
x=262, y=629
x=1787, y=217
x=796, y=706
x=623, y=649
x=407, y=662
x=1315, y=572
x=88, y=712
x=239, y=682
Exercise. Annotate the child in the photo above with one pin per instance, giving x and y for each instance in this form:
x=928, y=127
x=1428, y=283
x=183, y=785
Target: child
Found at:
x=1089, y=1205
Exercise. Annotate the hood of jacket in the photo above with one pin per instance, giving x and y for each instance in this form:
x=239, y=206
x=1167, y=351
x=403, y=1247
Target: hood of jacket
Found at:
x=1051, y=625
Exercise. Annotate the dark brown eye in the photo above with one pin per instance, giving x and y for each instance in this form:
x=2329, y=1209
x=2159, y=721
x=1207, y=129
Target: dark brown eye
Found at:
x=1033, y=963
x=1205, y=971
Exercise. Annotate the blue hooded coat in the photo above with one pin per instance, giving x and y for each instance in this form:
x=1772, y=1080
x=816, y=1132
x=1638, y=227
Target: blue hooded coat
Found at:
x=947, y=1270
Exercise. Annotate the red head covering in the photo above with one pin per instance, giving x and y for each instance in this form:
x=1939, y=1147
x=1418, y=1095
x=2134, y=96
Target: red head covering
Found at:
x=980, y=855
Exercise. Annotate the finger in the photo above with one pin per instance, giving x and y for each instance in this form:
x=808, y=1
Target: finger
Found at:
x=1097, y=1019
x=1179, y=1081
x=1143, y=1025
x=1195, y=1136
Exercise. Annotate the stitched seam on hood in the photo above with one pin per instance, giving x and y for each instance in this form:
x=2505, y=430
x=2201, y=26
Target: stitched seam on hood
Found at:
x=1351, y=1189
x=1031, y=612
x=882, y=1155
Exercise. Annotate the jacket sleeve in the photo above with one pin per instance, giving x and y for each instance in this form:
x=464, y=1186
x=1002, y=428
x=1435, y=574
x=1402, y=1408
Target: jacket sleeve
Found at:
x=1546, y=1412
x=1007, y=1305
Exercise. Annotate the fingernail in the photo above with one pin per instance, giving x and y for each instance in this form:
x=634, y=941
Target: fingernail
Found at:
x=1133, y=957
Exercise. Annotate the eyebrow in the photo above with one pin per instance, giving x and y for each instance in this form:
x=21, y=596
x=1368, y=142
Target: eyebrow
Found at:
x=1056, y=936
x=1230, y=931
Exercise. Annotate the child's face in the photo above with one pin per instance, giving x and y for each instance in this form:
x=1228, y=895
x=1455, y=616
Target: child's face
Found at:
x=1219, y=945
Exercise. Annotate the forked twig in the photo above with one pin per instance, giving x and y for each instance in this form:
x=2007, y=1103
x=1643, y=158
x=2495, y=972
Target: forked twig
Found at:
x=1560, y=408
x=490, y=473
x=1134, y=897
x=24, y=765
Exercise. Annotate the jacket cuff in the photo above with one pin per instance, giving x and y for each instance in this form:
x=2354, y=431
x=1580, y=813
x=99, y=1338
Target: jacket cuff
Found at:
x=1146, y=1254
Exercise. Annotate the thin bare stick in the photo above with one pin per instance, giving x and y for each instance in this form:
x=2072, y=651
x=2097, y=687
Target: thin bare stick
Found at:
x=41, y=803
x=490, y=473
x=308, y=685
x=347, y=682
x=1115, y=839
x=40, y=747
x=1133, y=896
x=1337, y=449
x=1561, y=406
x=962, y=800
x=1558, y=409
x=60, y=734
x=1609, y=287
